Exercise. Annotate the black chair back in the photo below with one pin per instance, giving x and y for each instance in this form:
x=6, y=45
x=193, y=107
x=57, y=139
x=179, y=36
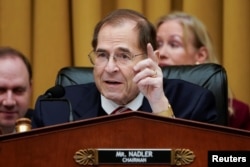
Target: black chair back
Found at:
x=74, y=76
x=210, y=76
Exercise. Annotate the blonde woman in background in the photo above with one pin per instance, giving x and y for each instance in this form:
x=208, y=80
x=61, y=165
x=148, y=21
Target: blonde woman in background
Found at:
x=182, y=39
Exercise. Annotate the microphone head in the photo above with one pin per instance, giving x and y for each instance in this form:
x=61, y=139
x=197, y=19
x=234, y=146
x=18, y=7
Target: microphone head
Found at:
x=55, y=92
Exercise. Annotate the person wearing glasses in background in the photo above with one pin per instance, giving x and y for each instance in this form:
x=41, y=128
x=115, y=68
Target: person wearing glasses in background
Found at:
x=182, y=39
x=127, y=75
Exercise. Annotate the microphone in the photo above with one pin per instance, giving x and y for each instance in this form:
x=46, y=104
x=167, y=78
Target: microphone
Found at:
x=53, y=108
x=57, y=91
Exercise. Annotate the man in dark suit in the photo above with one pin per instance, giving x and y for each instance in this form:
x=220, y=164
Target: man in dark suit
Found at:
x=127, y=74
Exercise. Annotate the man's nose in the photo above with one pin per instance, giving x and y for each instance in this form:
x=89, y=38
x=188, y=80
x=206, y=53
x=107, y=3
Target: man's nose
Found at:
x=111, y=64
x=9, y=99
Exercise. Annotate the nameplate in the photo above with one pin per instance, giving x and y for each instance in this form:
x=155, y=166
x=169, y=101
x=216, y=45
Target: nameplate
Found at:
x=134, y=156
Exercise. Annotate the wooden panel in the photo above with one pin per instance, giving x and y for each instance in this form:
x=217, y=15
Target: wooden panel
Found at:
x=56, y=145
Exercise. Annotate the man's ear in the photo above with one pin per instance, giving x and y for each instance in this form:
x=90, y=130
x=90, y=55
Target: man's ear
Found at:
x=201, y=55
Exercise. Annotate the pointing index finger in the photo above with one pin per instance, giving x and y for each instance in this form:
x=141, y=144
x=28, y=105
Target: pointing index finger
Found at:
x=152, y=54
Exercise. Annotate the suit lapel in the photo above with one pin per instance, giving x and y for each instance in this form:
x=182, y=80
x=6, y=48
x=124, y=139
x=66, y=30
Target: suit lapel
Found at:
x=145, y=106
x=88, y=105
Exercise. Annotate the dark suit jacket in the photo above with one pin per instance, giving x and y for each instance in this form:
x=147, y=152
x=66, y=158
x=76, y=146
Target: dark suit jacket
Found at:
x=188, y=101
x=29, y=113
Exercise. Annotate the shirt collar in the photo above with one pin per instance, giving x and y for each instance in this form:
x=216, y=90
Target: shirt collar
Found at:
x=109, y=106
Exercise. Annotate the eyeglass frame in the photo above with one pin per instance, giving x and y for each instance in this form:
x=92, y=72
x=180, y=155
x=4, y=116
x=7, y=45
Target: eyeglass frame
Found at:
x=93, y=53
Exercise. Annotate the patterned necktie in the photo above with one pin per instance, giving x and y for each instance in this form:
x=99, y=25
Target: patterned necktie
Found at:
x=120, y=110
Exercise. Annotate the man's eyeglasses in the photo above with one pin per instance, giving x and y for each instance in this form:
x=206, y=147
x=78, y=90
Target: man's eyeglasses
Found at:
x=100, y=58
